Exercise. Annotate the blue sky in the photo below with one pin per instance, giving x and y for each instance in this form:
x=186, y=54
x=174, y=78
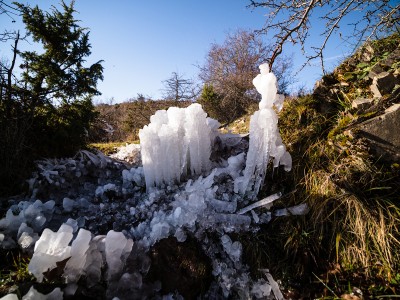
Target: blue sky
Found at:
x=143, y=42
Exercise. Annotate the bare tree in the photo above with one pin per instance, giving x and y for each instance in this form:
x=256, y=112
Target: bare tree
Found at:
x=178, y=89
x=230, y=68
x=10, y=10
x=290, y=21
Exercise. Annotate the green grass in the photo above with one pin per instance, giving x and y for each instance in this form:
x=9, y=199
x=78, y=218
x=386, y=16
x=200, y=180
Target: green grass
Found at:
x=107, y=148
x=14, y=271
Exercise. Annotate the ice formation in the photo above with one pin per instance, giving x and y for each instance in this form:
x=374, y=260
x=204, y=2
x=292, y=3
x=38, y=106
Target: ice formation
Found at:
x=129, y=153
x=265, y=140
x=52, y=247
x=194, y=182
x=117, y=249
x=177, y=142
x=33, y=294
x=79, y=248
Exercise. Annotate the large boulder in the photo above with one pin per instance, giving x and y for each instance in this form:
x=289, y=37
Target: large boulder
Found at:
x=382, y=133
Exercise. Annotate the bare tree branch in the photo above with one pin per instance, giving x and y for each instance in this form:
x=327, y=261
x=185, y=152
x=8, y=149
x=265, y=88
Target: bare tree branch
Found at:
x=290, y=21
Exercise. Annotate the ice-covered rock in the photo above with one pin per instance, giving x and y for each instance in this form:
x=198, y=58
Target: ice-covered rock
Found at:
x=74, y=267
x=94, y=260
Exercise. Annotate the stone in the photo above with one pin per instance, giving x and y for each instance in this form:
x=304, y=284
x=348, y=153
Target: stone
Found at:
x=375, y=71
x=182, y=267
x=367, y=53
x=362, y=103
x=383, y=84
x=391, y=59
x=382, y=133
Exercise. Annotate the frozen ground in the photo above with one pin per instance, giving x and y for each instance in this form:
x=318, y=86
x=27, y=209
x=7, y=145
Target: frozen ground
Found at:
x=103, y=217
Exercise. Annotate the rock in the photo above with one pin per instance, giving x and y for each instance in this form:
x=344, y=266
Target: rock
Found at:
x=391, y=59
x=383, y=84
x=326, y=92
x=367, y=53
x=382, y=133
x=181, y=267
x=375, y=71
x=362, y=103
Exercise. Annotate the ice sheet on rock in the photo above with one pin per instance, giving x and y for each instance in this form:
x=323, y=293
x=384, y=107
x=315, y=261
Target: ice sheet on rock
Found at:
x=33, y=294
x=74, y=267
x=235, y=166
x=52, y=247
x=176, y=142
x=105, y=188
x=94, y=260
x=117, y=249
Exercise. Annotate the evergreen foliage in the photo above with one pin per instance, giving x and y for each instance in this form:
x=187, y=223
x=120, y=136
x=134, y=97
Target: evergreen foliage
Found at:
x=46, y=107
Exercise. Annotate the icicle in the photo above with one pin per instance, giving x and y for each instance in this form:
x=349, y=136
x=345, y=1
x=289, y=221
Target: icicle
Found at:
x=262, y=202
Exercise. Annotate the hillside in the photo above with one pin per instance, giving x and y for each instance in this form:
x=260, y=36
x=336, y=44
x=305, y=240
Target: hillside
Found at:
x=345, y=147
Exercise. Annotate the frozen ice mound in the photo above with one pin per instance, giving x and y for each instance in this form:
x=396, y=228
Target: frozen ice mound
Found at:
x=177, y=142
